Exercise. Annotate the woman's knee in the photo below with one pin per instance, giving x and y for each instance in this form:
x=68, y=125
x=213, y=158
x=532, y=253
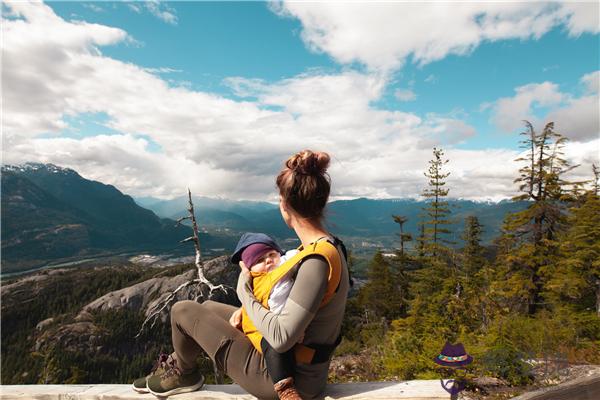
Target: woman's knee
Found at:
x=182, y=309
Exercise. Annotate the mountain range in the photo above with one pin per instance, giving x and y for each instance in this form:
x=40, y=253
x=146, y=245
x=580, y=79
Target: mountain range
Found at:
x=360, y=219
x=51, y=213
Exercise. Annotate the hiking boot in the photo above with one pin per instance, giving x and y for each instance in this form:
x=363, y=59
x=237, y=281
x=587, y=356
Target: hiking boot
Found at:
x=286, y=390
x=161, y=365
x=174, y=381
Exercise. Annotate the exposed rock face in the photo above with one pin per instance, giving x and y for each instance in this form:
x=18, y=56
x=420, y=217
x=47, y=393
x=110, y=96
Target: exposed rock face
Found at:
x=143, y=296
x=28, y=286
x=44, y=324
x=78, y=336
x=84, y=335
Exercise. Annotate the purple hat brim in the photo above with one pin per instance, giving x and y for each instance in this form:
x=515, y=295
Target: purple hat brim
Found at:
x=468, y=361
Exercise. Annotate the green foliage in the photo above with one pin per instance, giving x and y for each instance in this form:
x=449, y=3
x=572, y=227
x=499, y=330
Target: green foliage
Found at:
x=504, y=361
x=61, y=295
x=576, y=277
x=383, y=295
x=534, y=295
x=437, y=212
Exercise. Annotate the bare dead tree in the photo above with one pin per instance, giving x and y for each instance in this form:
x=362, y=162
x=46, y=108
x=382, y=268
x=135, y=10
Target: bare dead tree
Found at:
x=205, y=288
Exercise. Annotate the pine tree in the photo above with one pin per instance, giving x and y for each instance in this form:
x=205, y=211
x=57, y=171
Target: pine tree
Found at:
x=532, y=232
x=381, y=294
x=421, y=240
x=437, y=210
x=541, y=182
x=475, y=275
x=576, y=280
x=596, y=180
x=473, y=252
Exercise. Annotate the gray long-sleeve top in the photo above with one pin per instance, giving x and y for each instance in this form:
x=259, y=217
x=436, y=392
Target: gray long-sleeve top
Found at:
x=301, y=315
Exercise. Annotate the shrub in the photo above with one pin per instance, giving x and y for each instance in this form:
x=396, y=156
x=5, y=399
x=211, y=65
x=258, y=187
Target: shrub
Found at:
x=506, y=362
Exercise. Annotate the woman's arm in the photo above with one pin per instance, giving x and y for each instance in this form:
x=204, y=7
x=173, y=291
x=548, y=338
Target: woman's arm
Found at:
x=284, y=330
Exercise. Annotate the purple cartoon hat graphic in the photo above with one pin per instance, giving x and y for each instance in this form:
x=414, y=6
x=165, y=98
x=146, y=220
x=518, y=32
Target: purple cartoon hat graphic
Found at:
x=453, y=355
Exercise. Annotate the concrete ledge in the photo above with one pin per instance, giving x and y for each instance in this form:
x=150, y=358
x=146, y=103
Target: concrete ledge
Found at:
x=407, y=390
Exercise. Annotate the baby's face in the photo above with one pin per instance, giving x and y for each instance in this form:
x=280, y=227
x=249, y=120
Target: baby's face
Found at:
x=267, y=262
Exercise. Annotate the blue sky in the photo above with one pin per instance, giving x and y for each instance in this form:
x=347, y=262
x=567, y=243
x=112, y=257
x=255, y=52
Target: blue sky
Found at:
x=151, y=95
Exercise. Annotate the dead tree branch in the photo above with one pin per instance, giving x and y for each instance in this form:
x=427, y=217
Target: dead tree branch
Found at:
x=204, y=288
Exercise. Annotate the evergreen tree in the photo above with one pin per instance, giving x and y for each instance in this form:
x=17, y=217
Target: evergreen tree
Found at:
x=541, y=182
x=596, y=181
x=576, y=280
x=437, y=210
x=476, y=275
x=473, y=252
x=421, y=240
x=531, y=233
x=381, y=294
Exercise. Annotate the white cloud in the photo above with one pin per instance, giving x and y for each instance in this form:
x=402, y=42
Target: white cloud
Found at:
x=162, y=70
x=383, y=35
x=591, y=82
x=509, y=112
x=157, y=8
x=162, y=11
x=214, y=145
x=405, y=95
x=581, y=17
x=93, y=7
x=134, y=7
x=578, y=118
x=431, y=79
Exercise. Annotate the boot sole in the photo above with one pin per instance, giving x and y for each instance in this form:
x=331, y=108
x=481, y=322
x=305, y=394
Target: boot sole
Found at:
x=184, y=389
x=139, y=390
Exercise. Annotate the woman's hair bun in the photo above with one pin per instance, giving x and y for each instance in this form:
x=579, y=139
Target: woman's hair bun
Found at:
x=308, y=162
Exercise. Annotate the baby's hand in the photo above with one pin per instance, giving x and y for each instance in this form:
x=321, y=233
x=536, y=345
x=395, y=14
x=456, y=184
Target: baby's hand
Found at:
x=236, y=319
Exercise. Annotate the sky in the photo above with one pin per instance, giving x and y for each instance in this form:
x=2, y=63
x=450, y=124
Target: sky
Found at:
x=155, y=97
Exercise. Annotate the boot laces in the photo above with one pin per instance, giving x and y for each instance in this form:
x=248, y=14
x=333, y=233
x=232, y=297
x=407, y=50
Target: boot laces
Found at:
x=163, y=359
x=173, y=369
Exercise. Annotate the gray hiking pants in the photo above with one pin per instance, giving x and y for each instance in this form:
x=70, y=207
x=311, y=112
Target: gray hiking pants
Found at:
x=196, y=327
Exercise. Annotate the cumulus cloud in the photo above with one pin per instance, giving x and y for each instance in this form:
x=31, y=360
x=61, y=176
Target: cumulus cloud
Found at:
x=212, y=144
x=509, y=112
x=580, y=17
x=591, y=82
x=383, y=35
x=577, y=118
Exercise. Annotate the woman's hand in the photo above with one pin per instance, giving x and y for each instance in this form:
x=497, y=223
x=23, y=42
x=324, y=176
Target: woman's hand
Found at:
x=244, y=284
x=243, y=267
x=236, y=319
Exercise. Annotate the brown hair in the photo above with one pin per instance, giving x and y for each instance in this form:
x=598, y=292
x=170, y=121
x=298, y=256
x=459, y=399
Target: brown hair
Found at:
x=304, y=183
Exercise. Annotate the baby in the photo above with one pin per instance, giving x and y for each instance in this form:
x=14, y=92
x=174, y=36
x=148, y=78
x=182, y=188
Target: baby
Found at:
x=261, y=254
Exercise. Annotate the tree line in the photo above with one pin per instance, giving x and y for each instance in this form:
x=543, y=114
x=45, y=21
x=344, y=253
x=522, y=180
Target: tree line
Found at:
x=534, y=293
